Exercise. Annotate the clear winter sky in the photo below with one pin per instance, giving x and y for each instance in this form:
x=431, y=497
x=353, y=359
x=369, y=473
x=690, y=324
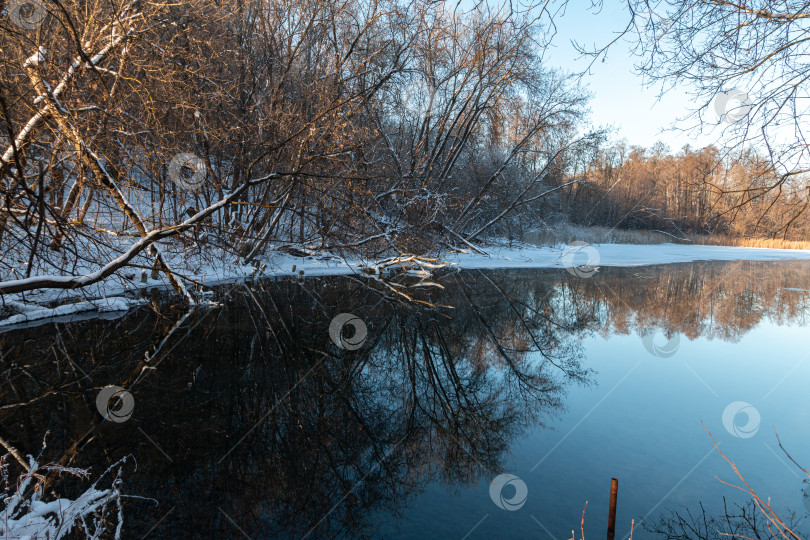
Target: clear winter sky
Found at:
x=619, y=97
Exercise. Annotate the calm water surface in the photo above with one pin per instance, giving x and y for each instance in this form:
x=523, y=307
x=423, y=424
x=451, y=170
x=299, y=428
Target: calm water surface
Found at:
x=249, y=416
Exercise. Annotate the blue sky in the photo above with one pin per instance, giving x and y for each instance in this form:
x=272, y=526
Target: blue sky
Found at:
x=619, y=96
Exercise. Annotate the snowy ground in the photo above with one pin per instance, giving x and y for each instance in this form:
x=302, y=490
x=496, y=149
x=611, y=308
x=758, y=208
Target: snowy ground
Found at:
x=621, y=255
x=562, y=256
x=119, y=296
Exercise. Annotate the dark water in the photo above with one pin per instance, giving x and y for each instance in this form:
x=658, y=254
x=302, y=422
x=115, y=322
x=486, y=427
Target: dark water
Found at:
x=249, y=421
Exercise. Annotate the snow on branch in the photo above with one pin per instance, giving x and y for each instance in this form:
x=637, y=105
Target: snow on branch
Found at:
x=26, y=513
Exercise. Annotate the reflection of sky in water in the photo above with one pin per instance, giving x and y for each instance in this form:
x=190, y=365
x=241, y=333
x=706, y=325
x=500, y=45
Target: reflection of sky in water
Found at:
x=642, y=424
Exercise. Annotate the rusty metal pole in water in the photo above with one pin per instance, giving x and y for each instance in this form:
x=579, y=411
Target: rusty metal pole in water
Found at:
x=614, y=492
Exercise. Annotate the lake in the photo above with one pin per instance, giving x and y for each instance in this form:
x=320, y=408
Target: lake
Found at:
x=493, y=403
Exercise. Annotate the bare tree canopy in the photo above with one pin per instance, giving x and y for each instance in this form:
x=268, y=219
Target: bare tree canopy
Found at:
x=132, y=132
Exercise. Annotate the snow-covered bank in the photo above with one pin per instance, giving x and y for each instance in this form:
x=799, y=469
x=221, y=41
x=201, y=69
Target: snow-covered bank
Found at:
x=119, y=296
x=619, y=255
x=560, y=256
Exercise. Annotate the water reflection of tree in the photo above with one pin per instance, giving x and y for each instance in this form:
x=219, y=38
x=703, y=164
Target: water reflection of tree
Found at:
x=712, y=300
x=331, y=436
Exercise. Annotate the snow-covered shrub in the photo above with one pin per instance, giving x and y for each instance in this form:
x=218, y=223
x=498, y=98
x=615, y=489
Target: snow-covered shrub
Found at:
x=26, y=514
